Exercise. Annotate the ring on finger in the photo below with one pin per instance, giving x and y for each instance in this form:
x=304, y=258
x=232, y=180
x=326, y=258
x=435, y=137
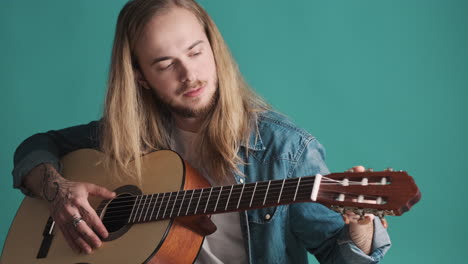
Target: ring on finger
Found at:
x=76, y=221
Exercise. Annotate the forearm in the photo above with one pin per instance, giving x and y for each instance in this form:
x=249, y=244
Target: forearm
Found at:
x=48, y=148
x=42, y=180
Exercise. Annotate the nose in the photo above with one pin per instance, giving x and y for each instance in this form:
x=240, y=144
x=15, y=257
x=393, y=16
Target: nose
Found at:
x=188, y=74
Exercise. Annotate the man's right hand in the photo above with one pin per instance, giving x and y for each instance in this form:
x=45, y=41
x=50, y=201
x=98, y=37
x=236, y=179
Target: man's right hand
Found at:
x=69, y=206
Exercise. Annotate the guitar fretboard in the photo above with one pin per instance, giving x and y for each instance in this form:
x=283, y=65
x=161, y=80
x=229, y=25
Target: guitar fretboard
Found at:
x=214, y=200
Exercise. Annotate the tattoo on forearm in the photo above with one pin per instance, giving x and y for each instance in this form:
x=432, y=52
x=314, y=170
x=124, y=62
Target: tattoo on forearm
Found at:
x=49, y=194
x=55, y=190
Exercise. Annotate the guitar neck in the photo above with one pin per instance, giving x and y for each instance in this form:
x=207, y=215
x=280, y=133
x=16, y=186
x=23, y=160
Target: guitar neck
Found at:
x=214, y=200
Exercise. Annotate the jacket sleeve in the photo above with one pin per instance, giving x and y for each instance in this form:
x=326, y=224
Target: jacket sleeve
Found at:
x=49, y=147
x=321, y=230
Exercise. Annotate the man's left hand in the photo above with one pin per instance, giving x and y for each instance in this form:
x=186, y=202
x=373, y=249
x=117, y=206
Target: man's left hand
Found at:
x=361, y=230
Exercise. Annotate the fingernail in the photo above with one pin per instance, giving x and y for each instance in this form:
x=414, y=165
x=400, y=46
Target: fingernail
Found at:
x=345, y=219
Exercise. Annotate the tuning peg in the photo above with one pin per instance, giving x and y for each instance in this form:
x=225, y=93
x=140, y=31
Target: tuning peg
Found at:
x=388, y=169
x=359, y=212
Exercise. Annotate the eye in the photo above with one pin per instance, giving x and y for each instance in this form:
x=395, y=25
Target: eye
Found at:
x=166, y=67
x=195, y=54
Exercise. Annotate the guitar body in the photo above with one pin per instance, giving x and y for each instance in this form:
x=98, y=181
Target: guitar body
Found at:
x=166, y=241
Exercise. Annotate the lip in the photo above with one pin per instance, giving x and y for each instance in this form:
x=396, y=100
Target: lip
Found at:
x=194, y=92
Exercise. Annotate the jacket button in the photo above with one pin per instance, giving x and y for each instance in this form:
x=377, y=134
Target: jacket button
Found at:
x=241, y=180
x=267, y=217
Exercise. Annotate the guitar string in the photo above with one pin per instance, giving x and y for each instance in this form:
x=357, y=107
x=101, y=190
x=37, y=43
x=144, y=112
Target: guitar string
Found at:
x=129, y=199
x=203, y=200
x=171, y=203
x=125, y=217
x=286, y=199
x=325, y=181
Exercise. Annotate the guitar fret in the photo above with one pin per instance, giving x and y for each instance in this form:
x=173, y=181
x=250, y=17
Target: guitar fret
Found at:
x=247, y=195
x=148, y=207
x=138, y=207
x=159, y=208
x=167, y=204
x=207, y=201
x=188, y=206
x=133, y=208
x=219, y=195
x=229, y=197
x=264, y=200
x=201, y=193
x=175, y=201
x=281, y=192
x=142, y=208
x=253, y=194
x=305, y=192
x=154, y=206
x=238, y=203
x=181, y=204
x=297, y=187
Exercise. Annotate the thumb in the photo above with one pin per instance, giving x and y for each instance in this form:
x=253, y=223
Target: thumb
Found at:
x=102, y=192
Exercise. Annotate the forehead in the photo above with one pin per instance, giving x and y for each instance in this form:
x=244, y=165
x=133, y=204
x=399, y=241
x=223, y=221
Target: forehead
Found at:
x=170, y=31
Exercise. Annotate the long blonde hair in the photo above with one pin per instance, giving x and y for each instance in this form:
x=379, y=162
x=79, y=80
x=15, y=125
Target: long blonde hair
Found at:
x=135, y=124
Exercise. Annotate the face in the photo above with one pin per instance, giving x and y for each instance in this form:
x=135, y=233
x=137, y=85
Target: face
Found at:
x=177, y=63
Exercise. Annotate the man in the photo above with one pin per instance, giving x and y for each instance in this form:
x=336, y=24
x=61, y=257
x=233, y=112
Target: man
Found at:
x=174, y=85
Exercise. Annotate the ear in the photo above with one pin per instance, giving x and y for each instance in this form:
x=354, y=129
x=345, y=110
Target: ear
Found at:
x=141, y=79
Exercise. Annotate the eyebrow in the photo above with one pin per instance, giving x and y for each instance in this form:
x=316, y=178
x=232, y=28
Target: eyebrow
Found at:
x=167, y=57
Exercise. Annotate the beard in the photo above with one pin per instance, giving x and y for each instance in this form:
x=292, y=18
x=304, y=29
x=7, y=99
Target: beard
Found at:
x=186, y=111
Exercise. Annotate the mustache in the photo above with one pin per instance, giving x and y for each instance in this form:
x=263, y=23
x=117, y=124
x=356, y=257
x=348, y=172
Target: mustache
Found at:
x=186, y=87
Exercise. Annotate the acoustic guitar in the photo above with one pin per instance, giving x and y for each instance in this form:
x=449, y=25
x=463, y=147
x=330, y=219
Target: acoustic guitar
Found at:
x=156, y=222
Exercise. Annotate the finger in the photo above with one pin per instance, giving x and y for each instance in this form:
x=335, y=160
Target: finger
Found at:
x=79, y=240
x=352, y=217
x=68, y=238
x=99, y=191
x=88, y=235
x=93, y=220
x=371, y=216
x=345, y=219
x=358, y=168
x=74, y=240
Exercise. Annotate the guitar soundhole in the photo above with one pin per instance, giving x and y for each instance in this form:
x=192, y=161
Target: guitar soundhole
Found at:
x=115, y=214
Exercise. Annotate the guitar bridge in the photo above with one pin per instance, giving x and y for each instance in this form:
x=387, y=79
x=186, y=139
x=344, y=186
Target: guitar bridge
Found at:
x=47, y=239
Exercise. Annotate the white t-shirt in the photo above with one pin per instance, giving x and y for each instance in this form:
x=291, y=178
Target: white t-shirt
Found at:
x=226, y=245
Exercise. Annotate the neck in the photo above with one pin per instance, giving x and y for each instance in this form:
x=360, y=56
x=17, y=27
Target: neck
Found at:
x=220, y=199
x=191, y=124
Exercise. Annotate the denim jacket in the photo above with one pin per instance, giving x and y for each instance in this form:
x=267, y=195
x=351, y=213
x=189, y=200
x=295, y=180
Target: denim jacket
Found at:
x=277, y=150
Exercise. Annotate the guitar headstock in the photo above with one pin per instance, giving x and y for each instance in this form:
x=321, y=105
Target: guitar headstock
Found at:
x=380, y=193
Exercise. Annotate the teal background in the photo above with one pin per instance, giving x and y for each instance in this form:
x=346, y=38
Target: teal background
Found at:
x=380, y=83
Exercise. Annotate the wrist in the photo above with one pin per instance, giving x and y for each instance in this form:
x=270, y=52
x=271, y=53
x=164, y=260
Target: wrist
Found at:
x=41, y=181
x=362, y=235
